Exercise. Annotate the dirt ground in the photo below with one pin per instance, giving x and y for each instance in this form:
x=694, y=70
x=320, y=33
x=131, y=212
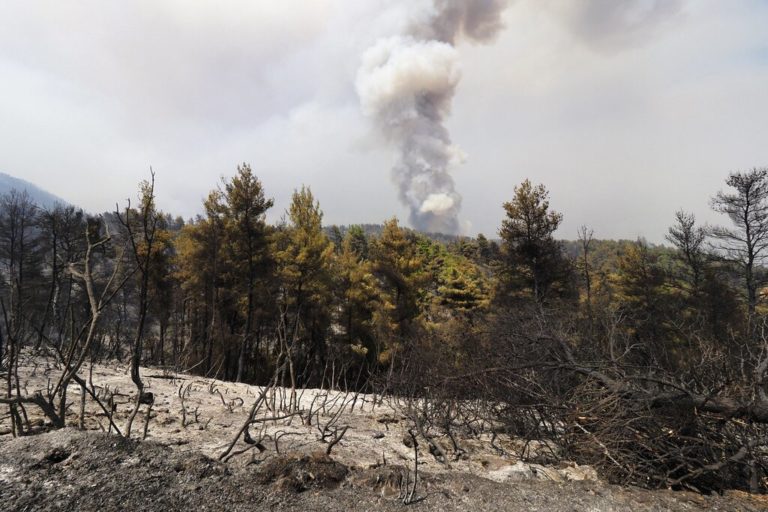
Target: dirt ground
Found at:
x=89, y=471
x=177, y=467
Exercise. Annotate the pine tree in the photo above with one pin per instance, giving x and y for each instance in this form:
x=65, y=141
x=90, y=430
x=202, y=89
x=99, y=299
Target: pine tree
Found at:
x=358, y=298
x=399, y=268
x=358, y=241
x=644, y=295
x=461, y=291
x=246, y=243
x=200, y=269
x=534, y=258
x=303, y=253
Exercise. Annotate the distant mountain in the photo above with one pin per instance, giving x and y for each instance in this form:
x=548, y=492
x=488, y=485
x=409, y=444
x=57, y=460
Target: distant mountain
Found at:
x=39, y=196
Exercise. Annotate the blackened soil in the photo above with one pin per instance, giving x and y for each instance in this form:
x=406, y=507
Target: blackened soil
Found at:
x=70, y=470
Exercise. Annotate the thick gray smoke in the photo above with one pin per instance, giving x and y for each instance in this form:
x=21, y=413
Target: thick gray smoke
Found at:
x=406, y=83
x=609, y=26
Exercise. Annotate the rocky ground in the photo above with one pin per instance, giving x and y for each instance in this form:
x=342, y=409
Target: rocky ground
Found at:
x=177, y=466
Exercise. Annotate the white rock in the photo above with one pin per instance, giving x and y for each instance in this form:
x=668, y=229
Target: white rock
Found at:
x=578, y=473
x=521, y=471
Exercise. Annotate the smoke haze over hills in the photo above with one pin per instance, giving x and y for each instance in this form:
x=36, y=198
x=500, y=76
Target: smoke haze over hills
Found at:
x=39, y=196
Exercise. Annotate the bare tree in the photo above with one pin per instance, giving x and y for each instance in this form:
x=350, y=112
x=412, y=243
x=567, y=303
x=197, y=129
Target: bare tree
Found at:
x=17, y=218
x=141, y=227
x=746, y=243
x=72, y=355
x=585, y=239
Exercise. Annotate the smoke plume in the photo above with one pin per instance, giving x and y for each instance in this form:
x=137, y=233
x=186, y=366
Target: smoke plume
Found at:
x=609, y=26
x=406, y=83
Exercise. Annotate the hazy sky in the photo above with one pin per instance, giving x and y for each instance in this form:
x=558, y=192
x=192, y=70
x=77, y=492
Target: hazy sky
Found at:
x=626, y=111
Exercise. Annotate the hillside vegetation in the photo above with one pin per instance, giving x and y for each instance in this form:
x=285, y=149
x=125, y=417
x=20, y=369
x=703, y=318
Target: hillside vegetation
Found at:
x=645, y=362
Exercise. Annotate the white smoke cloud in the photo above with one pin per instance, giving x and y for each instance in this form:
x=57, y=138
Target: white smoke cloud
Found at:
x=406, y=83
x=437, y=204
x=397, y=71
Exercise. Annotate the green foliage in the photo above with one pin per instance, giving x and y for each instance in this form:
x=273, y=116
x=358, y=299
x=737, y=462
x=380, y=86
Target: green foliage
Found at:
x=533, y=258
x=226, y=283
x=304, y=254
x=358, y=241
x=456, y=284
x=398, y=266
x=642, y=290
x=303, y=251
x=358, y=297
x=462, y=290
x=224, y=265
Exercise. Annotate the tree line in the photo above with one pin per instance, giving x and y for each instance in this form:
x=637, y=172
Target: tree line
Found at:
x=646, y=361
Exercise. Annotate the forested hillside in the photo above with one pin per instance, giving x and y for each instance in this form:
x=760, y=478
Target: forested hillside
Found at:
x=648, y=362
x=36, y=194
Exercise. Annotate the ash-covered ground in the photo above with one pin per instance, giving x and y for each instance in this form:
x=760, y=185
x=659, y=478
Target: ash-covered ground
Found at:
x=177, y=466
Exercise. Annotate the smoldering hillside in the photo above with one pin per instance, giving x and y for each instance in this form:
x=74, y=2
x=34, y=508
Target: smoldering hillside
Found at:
x=284, y=465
